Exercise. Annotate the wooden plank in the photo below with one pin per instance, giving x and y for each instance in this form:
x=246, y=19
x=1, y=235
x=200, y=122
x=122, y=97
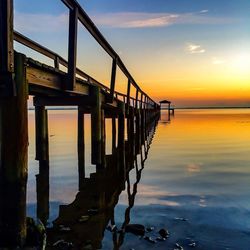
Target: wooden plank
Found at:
x=46, y=78
x=85, y=101
x=39, y=76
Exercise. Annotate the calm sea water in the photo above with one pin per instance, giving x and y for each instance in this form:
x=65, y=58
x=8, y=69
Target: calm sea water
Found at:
x=195, y=182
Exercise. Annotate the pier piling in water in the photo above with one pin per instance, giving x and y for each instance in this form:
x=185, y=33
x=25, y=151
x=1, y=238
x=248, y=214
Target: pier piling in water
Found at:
x=81, y=146
x=14, y=159
x=21, y=77
x=96, y=126
x=42, y=155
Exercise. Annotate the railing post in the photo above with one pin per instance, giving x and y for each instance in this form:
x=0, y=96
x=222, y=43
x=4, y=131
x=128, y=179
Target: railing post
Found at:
x=112, y=82
x=7, y=87
x=128, y=96
x=141, y=100
x=57, y=62
x=72, y=48
x=136, y=99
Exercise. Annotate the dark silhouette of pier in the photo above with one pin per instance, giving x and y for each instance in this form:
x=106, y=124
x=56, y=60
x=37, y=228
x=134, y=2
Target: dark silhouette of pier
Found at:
x=20, y=77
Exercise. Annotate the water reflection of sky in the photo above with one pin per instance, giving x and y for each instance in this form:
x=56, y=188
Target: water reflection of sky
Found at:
x=198, y=167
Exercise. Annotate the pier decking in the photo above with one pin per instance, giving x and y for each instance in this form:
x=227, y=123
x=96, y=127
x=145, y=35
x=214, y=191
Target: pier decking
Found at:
x=21, y=76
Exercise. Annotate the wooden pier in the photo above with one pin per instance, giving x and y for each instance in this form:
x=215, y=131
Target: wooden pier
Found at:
x=20, y=77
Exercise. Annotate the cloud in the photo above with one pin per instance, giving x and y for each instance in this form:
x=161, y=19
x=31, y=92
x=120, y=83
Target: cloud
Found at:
x=195, y=49
x=204, y=11
x=27, y=22
x=149, y=20
x=135, y=20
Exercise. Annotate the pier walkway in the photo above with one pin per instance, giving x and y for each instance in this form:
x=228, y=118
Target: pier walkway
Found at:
x=21, y=76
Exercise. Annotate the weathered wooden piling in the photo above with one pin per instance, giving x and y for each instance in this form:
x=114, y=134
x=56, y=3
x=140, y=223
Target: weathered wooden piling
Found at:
x=113, y=134
x=121, y=137
x=14, y=159
x=96, y=127
x=81, y=146
x=103, y=139
x=42, y=155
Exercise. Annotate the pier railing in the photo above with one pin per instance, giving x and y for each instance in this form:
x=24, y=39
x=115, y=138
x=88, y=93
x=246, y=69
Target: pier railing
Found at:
x=21, y=76
x=76, y=13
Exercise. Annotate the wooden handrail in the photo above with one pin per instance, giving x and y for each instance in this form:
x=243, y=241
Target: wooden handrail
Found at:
x=77, y=13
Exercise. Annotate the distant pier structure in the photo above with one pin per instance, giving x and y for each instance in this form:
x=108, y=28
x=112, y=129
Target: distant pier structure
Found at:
x=165, y=104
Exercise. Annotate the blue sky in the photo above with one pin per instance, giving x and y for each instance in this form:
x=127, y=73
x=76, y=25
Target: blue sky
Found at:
x=177, y=46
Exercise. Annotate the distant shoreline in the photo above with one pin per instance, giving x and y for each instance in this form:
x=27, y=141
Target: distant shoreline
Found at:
x=75, y=108
x=209, y=108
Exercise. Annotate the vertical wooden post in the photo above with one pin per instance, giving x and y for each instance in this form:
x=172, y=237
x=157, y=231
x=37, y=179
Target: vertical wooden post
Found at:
x=128, y=96
x=14, y=159
x=121, y=137
x=131, y=138
x=80, y=147
x=57, y=62
x=103, y=140
x=42, y=154
x=136, y=99
x=121, y=124
x=112, y=82
x=7, y=87
x=96, y=128
x=113, y=135
x=72, y=48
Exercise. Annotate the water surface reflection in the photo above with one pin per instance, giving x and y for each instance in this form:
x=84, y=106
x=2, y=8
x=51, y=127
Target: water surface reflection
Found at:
x=197, y=169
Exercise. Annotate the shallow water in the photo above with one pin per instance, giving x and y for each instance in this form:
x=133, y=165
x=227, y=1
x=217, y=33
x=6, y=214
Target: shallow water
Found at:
x=195, y=181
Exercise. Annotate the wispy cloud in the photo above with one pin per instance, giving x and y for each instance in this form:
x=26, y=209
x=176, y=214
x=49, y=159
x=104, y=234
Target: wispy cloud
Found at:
x=135, y=20
x=195, y=49
x=30, y=22
x=204, y=11
x=149, y=20
x=27, y=22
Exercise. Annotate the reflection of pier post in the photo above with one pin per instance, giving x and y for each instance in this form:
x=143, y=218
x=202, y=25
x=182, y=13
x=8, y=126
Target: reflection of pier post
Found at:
x=138, y=131
x=14, y=159
x=42, y=155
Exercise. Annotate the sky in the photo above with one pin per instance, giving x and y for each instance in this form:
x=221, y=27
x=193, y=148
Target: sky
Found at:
x=192, y=52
